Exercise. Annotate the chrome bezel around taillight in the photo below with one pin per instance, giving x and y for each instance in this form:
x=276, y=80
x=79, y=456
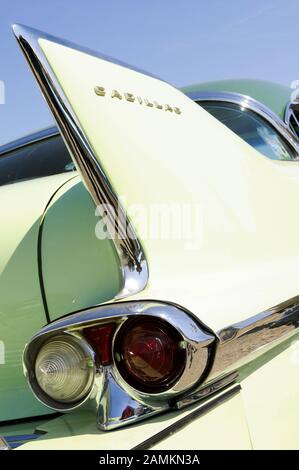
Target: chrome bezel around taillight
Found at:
x=115, y=400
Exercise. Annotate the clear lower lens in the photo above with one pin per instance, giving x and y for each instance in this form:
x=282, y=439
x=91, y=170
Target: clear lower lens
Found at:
x=64, y=370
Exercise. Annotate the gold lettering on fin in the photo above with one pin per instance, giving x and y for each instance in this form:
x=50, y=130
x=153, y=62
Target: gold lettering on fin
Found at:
x=116, y=94
x=99, y=90
x=130, y=97
x=157, y=105
x=148, y=103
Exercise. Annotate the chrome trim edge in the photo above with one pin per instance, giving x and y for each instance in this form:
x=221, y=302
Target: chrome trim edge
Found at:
x=257, y=107
x=132, y=258
x=24, y=30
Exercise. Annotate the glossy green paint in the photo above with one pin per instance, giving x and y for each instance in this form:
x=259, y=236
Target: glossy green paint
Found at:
x=79, y=270
x=272, y=95
x=21, y=307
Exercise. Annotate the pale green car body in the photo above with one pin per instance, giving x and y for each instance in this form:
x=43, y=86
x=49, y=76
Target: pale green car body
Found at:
x=51, y=265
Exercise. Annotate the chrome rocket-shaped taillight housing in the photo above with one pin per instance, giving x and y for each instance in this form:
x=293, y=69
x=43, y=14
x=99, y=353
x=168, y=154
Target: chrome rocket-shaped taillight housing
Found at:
x=128, y=360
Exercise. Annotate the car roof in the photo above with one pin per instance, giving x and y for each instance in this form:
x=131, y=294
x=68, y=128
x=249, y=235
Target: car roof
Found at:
x=273, y=95
x=28, y=139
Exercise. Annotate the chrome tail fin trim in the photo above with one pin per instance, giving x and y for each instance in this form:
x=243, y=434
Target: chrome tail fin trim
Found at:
x=132, y=258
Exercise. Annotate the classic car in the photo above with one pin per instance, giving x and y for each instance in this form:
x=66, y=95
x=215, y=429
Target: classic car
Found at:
x=116, y=332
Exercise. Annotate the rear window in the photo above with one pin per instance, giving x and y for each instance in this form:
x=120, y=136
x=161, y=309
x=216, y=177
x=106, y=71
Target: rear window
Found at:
x=254, y=129
x=45, y=158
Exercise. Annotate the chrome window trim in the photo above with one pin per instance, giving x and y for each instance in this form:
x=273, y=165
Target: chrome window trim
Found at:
x=253, y=105
x=29, y=139
x=111, y=394
x=133, y=262
x=289, y=113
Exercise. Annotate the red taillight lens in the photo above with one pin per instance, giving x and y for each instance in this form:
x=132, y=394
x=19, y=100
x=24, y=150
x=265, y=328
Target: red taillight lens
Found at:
x=149, y=354
x=100, y=338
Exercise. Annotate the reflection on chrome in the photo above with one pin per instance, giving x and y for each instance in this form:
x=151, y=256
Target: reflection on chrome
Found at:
x=240, y=342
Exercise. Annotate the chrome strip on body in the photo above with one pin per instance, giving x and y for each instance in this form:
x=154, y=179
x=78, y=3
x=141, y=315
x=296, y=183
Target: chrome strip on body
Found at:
x=242, y=342
x=132, y=259
x=250, y=338
x=249, y=103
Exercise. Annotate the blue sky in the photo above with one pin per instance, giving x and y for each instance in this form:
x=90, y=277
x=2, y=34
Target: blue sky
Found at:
x=182, y=41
